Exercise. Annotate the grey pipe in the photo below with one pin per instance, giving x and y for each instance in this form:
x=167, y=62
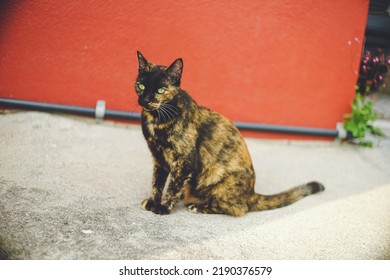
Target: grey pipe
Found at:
x=115, y=114
x=50, y=107
x=311, y=131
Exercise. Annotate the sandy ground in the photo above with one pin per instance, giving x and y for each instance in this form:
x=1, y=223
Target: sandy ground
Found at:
x=71, y=189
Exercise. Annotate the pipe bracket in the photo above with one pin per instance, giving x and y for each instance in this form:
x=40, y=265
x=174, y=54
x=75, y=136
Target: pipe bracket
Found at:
x=100, y=109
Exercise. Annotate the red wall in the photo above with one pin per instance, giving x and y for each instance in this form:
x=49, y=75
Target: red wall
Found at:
x=277, y=62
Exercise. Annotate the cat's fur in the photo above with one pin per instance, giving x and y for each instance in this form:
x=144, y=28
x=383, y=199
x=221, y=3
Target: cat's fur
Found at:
x=202, y=151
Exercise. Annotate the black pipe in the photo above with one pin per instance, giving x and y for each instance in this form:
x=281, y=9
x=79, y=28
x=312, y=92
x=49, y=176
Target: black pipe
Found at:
x=46, y=107
x=115, y=114
x=69, y=109
x=311, y=131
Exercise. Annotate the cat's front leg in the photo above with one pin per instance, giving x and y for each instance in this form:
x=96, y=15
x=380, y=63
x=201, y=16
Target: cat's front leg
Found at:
x=174, y=191
x=153, y=203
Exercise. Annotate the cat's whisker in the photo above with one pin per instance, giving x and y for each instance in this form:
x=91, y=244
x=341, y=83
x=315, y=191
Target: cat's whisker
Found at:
x=172, y=117
x=162, y=114
x=163, y=110
x=165, y=115
x=158, y=112
x=168, y=113
x=134, y=106
x=171, y=108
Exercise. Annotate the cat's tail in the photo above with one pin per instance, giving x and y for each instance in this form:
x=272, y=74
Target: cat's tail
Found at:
x=259, y=202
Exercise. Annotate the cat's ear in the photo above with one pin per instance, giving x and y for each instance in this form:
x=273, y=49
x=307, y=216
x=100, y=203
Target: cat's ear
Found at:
x=175, y=69
x=143, y=64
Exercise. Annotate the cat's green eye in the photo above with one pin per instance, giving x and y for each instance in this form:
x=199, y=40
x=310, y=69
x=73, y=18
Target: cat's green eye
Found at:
x=140, y=86
x=161, y=90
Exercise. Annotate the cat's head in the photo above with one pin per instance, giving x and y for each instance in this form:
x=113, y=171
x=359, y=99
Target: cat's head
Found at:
x=157, y=85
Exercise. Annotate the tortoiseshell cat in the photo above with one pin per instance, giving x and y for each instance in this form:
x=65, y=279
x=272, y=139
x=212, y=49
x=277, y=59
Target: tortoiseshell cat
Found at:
x=202, y=151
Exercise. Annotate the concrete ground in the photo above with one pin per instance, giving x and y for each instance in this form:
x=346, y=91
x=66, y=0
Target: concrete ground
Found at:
x=71, y=189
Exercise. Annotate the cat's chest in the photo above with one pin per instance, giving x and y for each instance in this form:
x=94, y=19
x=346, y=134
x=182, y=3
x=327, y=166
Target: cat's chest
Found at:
x=169, y=143
x=165, y=149
x=168, y=140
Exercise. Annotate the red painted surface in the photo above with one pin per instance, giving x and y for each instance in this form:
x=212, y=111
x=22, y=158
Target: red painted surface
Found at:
x=277, y=62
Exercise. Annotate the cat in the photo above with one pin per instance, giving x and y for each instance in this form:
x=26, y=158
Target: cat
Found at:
x=203, y=152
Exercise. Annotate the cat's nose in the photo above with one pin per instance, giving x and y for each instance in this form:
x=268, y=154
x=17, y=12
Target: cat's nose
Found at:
x=144, y=100
x=147, y=99
x=143, y=103
x=146, y=103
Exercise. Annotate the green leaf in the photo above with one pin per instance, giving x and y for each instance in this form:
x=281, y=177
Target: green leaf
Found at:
x=366, y=144
x=347, y=116
x=375, y=130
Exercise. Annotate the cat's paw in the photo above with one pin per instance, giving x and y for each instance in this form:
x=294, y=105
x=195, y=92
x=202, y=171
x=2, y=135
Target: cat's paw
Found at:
x=192, y=208
x=198, y=209
x=161, y=209
x=147, y=205
x=150, y=205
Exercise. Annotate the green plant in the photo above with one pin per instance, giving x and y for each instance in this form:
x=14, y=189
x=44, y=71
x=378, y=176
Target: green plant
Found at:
x=360, y=121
